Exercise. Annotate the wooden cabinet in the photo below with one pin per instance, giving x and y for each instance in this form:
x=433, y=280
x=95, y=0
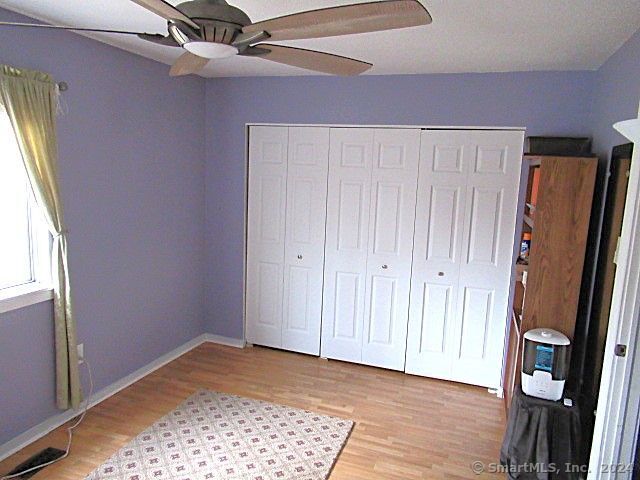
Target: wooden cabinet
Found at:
x=557, y=215
x=559, y=237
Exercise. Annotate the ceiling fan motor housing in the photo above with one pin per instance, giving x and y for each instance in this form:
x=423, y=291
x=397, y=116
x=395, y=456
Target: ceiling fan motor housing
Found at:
x=214, y=10
x=219, y=22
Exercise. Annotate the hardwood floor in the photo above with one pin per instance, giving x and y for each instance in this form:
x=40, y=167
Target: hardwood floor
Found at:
x=406, y=427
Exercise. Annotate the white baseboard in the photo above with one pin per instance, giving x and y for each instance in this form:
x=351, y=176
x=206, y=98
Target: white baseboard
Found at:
x=229, y=342
x=40, y=430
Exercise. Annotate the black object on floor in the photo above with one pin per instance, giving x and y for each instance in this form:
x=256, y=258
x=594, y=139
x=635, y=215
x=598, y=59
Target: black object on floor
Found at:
x=47, y=455
x=542, y=440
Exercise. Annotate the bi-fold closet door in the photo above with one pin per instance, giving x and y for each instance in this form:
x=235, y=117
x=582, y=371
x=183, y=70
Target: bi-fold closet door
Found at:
x=370, y=219
x=385, y=246
x=287, y=195
x=463, y=254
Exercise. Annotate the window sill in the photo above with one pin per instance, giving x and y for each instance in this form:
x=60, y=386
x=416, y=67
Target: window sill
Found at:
x=23, y=296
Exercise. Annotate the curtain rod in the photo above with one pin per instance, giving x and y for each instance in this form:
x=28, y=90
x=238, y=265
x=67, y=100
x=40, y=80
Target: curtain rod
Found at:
x=63, y=86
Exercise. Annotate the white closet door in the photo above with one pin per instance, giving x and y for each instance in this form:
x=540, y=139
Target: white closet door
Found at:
x=391, y=223
x=467, y=200
x=266, y=234
x=350, y=160
x=444, y=161
x=487, y=256
x=305, y=235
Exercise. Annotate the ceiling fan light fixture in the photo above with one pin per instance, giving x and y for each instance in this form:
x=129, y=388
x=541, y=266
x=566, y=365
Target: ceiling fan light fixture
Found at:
x=210, y=49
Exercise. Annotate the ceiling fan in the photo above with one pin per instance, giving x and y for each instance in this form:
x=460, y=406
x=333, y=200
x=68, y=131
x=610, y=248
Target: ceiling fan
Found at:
x=213, y=29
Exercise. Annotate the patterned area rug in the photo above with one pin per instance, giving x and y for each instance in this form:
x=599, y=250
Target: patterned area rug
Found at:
x=219, y=436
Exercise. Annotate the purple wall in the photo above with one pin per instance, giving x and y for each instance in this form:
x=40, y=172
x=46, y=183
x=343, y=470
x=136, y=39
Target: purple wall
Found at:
x=546, y=103
x=131, y=166
x=26, y=369
x=616, y=95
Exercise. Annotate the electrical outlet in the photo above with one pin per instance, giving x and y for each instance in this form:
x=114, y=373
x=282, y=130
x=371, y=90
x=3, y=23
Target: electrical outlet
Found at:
x=80, y=353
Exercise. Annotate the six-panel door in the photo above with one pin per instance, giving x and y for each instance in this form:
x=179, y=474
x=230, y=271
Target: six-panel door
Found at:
x=347, y=243
x=304, y=238
x=394, y=176
x=487, y=257
x=266, y=234
x=440, y=210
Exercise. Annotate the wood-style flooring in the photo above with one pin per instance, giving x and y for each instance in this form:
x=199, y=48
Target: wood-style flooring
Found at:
x=407, y=427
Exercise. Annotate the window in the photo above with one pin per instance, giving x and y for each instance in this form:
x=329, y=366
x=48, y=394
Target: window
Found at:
x=25, y=242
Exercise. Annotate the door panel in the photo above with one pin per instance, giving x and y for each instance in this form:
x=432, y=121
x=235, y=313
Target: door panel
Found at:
x=436, y=302
x=302, y=195
x=347, y=310
x=477, y=311
x=347, y=242
x=352, y=200
x=308, y=157
x=298, y=301
x=444, y=165
x=443, y=224
x=486, y=209
x=266, y=234
x=393, y=199
x=485, y=269
x=270, y=188
x=386, y=229
x=382, y=312
x=269, y=287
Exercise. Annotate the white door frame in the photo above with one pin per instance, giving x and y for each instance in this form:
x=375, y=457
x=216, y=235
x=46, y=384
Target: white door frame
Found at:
x=616, y=424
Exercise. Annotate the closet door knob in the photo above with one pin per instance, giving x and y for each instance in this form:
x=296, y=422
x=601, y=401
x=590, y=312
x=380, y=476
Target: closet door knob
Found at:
x=384, y=267
x=441, y=274
x=299, y=257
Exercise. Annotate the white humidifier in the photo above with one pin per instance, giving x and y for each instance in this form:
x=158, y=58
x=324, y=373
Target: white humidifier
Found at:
x=545, y=362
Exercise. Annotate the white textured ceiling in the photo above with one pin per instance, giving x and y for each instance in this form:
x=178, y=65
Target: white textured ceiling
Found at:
x=465, y=36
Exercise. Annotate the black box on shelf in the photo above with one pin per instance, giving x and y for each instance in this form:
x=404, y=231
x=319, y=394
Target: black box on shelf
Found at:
x=558, y=146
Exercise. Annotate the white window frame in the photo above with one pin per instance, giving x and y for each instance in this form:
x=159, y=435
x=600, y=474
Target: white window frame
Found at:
x=39, y=289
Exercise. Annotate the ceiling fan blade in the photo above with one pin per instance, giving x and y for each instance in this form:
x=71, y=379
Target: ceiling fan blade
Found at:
x=187, y=64
x=346, y=20
x=75, y=29
x=312, y=60
x=166, y=10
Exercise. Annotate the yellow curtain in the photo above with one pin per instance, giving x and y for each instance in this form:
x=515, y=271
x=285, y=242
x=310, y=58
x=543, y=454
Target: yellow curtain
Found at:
x=31, y=99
